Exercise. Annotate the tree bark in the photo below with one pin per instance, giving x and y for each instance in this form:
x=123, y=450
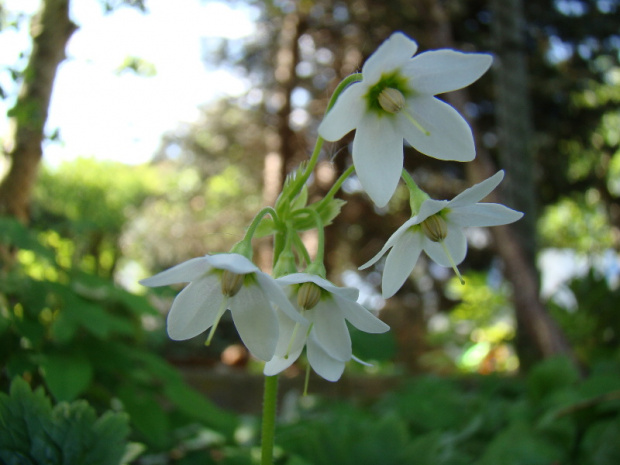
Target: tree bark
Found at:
x=50, y=31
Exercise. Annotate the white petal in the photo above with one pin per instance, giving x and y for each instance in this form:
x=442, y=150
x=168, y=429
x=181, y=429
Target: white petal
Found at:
x=181, y=273
x=450, y=136
x=330, y=329
x=234, y=262
x=255, y=321
x=378, y=157
x=194, y=309
x=484, y=214
x=477, y=192
x=428, y=208
x=275, y=294
x=322, y=363
x=400, y=262
x=456, y=243
x=390, y=242
x=440, y=71
x=391, y=54
x=360, y=317
x=278, y=364
x=289, y=338
x=346, y=113
x=300, y=278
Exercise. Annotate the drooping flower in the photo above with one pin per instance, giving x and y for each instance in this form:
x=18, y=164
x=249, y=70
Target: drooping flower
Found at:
x=325, y=307
x=437, y=229
x=395, y=101
x=223, y=282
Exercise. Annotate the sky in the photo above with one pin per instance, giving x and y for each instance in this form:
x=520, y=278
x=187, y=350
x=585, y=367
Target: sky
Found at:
x=121, y=116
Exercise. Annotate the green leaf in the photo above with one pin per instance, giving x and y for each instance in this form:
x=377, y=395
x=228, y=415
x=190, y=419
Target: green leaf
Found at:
x=12, y=232
x=550, y=376
x=601, y=445
x=24, y=418
x=301, y=200
x=195, y=405
x=31, y=432
x=266, y=227
x=147, y=415
x=67, y=375
x=521, y=445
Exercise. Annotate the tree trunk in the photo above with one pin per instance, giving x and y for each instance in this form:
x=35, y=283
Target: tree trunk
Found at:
x=514, y=246
x=50, y=30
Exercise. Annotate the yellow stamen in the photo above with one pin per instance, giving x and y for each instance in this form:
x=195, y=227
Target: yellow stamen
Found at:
x=220, y=312
x=231, y=283
x=290, y=344
x=391, y=100
x=308, y=295
x=435, y=228
x=415, y=123
x=307, y=380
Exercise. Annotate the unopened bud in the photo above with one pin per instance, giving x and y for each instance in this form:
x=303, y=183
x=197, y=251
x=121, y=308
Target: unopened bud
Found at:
x=231, y=283
x=308, y=296
x=391, y=100
x=435, y=228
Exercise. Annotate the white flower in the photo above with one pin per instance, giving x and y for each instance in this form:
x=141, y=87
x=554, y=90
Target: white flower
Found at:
x=395, y=101
x=221, y=282
x=325, y=334
x=437, y=229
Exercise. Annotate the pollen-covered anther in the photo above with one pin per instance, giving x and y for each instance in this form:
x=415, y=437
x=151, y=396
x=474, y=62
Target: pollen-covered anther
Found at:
x=391, y=100
x=435, y=228
x=308, y=296
x=231, y=283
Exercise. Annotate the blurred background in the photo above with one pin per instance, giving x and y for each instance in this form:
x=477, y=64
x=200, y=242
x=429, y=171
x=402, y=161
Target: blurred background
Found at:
x=141, y=133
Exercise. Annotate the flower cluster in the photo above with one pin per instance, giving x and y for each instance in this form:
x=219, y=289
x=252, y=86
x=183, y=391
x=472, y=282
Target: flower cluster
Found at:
x=392, y=101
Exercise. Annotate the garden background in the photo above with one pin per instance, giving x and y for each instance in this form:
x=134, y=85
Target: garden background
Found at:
x=519, y=366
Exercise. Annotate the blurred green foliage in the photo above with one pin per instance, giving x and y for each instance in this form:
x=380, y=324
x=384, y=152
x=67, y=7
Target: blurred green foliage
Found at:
x=33, y=433
x=593, y=325
x=80, y=335
x=552, y=416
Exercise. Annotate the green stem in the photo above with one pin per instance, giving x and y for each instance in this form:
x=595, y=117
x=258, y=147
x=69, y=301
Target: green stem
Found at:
x=300, y=246
x=338, y=184
x=256, y=221
x=270, y=400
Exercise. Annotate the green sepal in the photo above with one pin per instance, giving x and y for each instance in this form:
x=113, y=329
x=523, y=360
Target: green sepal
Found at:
x=243, y=248
x=286, y=264
x=416, y=197
x=317, y=268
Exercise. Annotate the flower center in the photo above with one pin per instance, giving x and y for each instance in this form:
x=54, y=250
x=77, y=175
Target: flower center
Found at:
x=391, y=100
x=308, y=296
x=435, y=228
x=231, y=283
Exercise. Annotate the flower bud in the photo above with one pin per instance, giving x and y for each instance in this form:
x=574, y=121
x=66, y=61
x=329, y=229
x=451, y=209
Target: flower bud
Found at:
x=231, y=283
x=308, y=295
x=435, y=228
x=391, y=100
